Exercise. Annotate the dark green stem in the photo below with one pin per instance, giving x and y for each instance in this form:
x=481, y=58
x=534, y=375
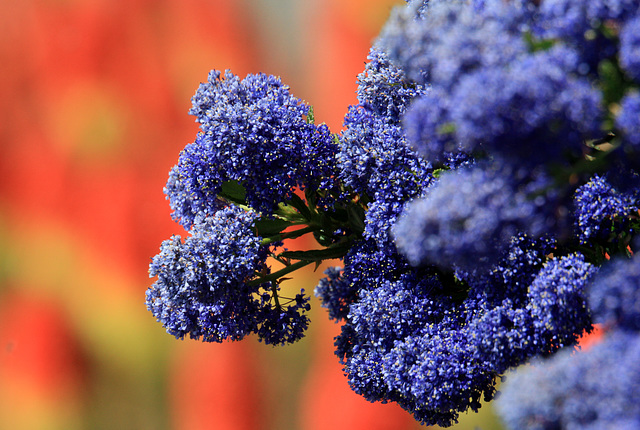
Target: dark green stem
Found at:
x=289, y=234
x=280, y=273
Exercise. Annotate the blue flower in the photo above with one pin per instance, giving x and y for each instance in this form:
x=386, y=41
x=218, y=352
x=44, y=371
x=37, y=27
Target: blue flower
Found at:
x=256, y=133
x=535, y=111
x=558, y=301
x=601, y=210
x=435, y=341
x=579, y=24
x=630, y=48
x=593, y=389
x=451, y=38
x=468, y=217
x=614, y=295
x=383, y=89
x=374, y=160
x=628, y=121
x=205, y=290
x=336, y=293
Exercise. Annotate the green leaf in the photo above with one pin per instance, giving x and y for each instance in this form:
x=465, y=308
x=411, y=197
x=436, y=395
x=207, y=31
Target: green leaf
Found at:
x=356, y=218
x=269, y=227
x=337, y=251
x=233, y=191
x=536, y=45
x=310, y=117
x=611, y=80
x=299, y=204
x=447, y=128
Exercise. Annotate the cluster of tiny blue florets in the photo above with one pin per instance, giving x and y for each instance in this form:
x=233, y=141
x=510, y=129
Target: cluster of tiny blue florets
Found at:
x=254, y=132
x=202, y=288
x=486, y=174
x=469, y=216
x=520, y=108
x=601, y=211
x=258, y=139
x=596, y=388
x=488, y=271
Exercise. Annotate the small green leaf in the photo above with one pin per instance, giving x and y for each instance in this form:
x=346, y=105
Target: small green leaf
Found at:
x=337, y=251
x=310, y=117
x=447, y=128
x=536, y=45
x=233, y=191
x=612, y=81
x=356, y=218
x=299, y=204
x=269, y=227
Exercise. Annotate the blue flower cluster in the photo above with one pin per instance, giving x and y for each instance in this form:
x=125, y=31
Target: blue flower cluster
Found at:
x=374, y=161
x=504, y=92
x=230, y=189
x=468, y=216
x=596, y=388
x=434, y=342
x=602, y=212
x=254, y=132
x=204, y=290
x=487, y=172
x=496, y=245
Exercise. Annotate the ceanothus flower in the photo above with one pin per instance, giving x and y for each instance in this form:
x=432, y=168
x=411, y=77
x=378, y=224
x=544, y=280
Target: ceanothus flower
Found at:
x=628, y=120
x=592, y=389
x=383, y=89
x=432, y=343
x=601, y=210
x=630, y=48
x=558, y=301
x=614, y=296
x=204, y=286
x=438, y=41
x=254, y=132
x=535, y=110
x=578, y=24
x=470, y=215
x=336, y=293
x=374, y=160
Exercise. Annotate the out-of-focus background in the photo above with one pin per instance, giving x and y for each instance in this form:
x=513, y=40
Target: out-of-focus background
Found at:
x=94, y=97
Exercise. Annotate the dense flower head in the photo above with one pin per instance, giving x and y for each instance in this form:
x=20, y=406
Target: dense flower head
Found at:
x=578, y=24
x=489, y=91
x=425, y=126
x=336, y=293
x=630, y=47
x=469, y=216
x=374, y=160
x=451, y=38
x=558, y=302
x=628, y=121
x=203, y=288
x=372, y=146
x=602, y=211
x=483, y=129
x=535, y=110
x=383, y=88
x=513, y=273
x=614, y=295
x=421, y=338
x=593, y=389
x=254, y=132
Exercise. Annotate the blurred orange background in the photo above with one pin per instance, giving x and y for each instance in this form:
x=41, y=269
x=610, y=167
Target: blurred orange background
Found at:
x=94, y=100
